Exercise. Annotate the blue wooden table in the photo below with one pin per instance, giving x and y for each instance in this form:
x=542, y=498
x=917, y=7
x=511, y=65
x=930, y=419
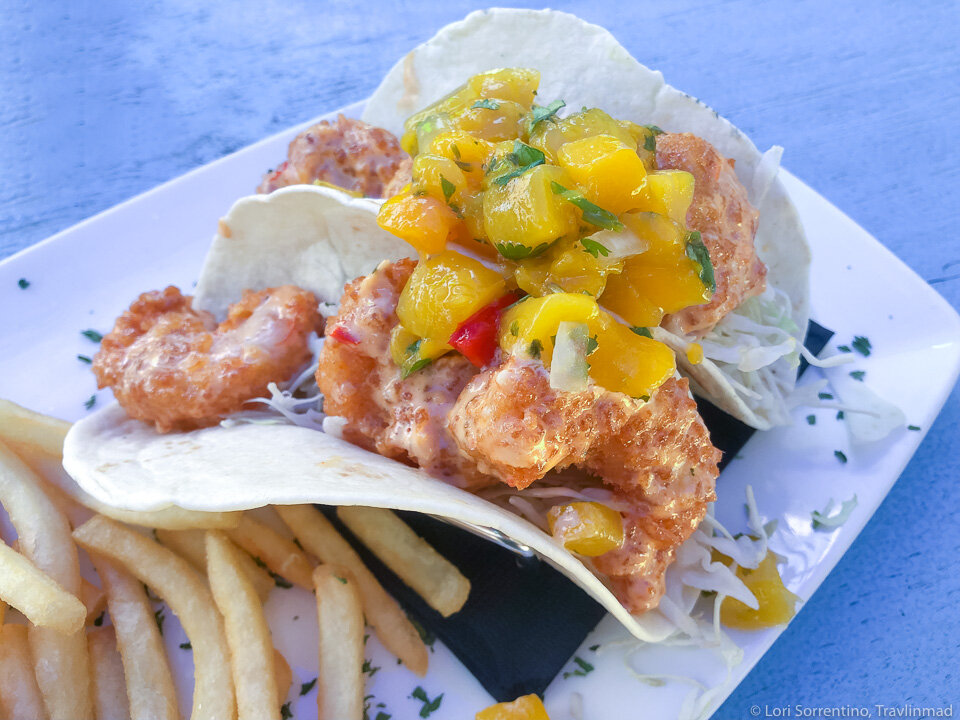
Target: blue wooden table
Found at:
x=100, y=101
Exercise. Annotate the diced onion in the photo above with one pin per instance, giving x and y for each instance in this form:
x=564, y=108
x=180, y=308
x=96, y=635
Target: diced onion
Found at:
x=568, y=372
x=621, y=244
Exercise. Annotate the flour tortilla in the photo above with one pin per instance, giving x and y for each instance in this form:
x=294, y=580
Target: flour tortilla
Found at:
x=584, y=65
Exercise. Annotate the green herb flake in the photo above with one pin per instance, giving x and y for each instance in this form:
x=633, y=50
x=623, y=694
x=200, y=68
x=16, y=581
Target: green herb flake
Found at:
x=840, y=415
x=369, y=669
x=84, y=359
x=342, y=580
x=258, y=562
x=592, y=345
x=594, y=648
x=429, y=706
x=698, y=252
x=825, y=396
x=99, y=621
x=92, y=335
x=841, y=456
x=536, y=347
x=416, y=367
x=23, y=283
x=540, y=113
x=915, y=428
x=655, y=129
x=642, y=331
x=486, y=104
x=593, y=214
x=186, y=646
x=426, y=635
x=862, y=345
x=158, y=616
x=582, y=671
x=594, y=248
x=281, y=582
x=519, y=251
x=307, y=687
x=90, y=402
x=844, y=348
x=858, y=374
x=448, y=188
x=811, y=419
x=383, y=716
x=285, y=711
x=455, y=150
x=650, y=143
x=515, y=328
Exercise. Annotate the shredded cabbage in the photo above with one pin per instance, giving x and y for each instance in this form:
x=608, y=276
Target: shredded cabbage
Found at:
x=822, y=519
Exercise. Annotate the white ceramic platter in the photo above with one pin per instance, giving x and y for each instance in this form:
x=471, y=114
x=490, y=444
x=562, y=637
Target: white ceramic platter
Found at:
x=85, y=276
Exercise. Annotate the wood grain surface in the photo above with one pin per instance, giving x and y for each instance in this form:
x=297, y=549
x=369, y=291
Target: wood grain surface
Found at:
x=100, y=101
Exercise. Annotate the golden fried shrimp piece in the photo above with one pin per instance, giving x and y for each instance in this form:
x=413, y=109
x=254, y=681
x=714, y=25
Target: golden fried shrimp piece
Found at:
x=173, y=366
x=403, y=419
x=727, y=223
x=349, y=153
x=655, y=455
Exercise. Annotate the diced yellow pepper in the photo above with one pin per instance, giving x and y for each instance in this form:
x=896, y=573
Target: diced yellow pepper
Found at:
x=777, y=604
x=667, y=192
x=421, y=220
x=607, y=170
x=445, y=290
x=523, y=216
x=586, y=528
x=527, y=707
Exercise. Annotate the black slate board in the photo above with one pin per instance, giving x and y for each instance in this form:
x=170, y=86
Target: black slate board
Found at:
x=523, y=620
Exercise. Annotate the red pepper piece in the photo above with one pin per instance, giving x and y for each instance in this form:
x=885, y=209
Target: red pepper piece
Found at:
x=340, y=333
x=476, y=337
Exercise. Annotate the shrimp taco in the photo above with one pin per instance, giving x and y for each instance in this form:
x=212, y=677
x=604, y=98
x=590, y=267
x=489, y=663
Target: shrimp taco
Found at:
x=521, y=374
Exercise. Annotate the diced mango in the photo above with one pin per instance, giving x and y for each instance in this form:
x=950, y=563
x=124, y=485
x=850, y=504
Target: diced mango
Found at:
x=665, y=237
x=412, y=353
x=606, y=170
x=438, y=177
x=501, y=120
x=549, y=136
x=468, y=152
x=445, y=290
x=523, y=216
x=529, y=326
x=517, y=85
x=566, y=265
x=421, y=220
x=586, y=528
x=777, y=604
x=694, y=353
x=527, y=707
x=667, y=192
x=629, y=363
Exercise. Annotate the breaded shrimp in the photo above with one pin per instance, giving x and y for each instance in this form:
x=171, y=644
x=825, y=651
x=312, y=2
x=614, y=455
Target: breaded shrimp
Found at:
x=175, y=367
x=727, y=222
x=349, y=153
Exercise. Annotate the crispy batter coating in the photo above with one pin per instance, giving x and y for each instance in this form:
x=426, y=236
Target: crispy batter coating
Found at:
x=722, y=212
x=173, y=366
x=349, y=153
x=401, y=419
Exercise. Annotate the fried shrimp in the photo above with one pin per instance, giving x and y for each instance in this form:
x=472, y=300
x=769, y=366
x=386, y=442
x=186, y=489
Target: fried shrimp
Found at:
x=727, y=222
x=173, y=366
x=348, y=153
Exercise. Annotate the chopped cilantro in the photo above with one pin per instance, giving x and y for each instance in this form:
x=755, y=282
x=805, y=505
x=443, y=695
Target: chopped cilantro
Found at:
x=486, y=104
x=416, y=367
x=650, y=143
x=642, y=331
x=280, y=582
x=536, y=347
x=426, y=635
x=383, y=716
x=515, y=328
x=285, y=711
x=90, y=402
x=23, y=283
x=343, y=580
x=448, y=188
x=655, y=129
x=455, y=150
x=369, y=669
x=594, y=248
x=186, y=646
x=811, y=419
x=92, y=335
x=429, y=706
x=307, y=687
x=593, y=214
x=507, y=177
x=915, y=428
x=861, y=345
x=698, y=252
x=259, y=562
x=519, y=251
x=159, y=618
x=84, y=359
x=844, y=348
x=593, y=648
x=839, y=414
x=540, y=113
x=825, y=396
x=581, y=671
x=99, y=621
x=858, y=374
x=592, y=345
x=840, y=455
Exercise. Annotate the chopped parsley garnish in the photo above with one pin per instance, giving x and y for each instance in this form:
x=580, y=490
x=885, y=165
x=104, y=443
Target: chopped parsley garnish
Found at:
x=536, y=347
x=581, y=671
x=825, y=396
x=416, y=367
x=593, y=648
x=186, y=646
x=383, y=716
x=839, y=414
x=99, y=621
x=429, y=706
x=698, y=252
x=448, y=188
x=486, y=104
x=650, y=143
x=90, y=402
x=655, y=129
x=861, y=345
x=426, y=635
x=915, y=428
x=594, y=248
x=159, y=618
x=858, y=374
x=285, y=711
x=593, y=214
x=307, y=687
x=369, y=669
x=592, y=345
x=642, y=331
x=540, y=113
x=844, y=348
x=92, y=335
x=23, y=283
x=519, y=251
x=515, y=328
x=840, y=455
x=811, y=419
x=84, y=359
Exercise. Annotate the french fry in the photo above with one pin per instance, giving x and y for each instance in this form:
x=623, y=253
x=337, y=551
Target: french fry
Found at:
x=38, y=596
x=187, y=594
x=395, y=631
x=150, y=688
x=94, y=600
x=191, y=545
x=61, y=663
x=284, y=675
x=109, y=690
x=20, y=697
x=23, y=428
x=280, y=555
x=413, y=559
x=251, y=648
x=340, y=620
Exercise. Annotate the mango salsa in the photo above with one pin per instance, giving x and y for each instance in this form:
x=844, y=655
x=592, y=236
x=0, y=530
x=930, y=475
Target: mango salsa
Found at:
x=666, y=192
x=777, y=604
x=607, y=170
x=421, y=220
x=527, y=707
x=587, y=528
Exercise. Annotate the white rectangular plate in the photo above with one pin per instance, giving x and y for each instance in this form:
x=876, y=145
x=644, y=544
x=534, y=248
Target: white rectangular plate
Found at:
x=85, y=276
